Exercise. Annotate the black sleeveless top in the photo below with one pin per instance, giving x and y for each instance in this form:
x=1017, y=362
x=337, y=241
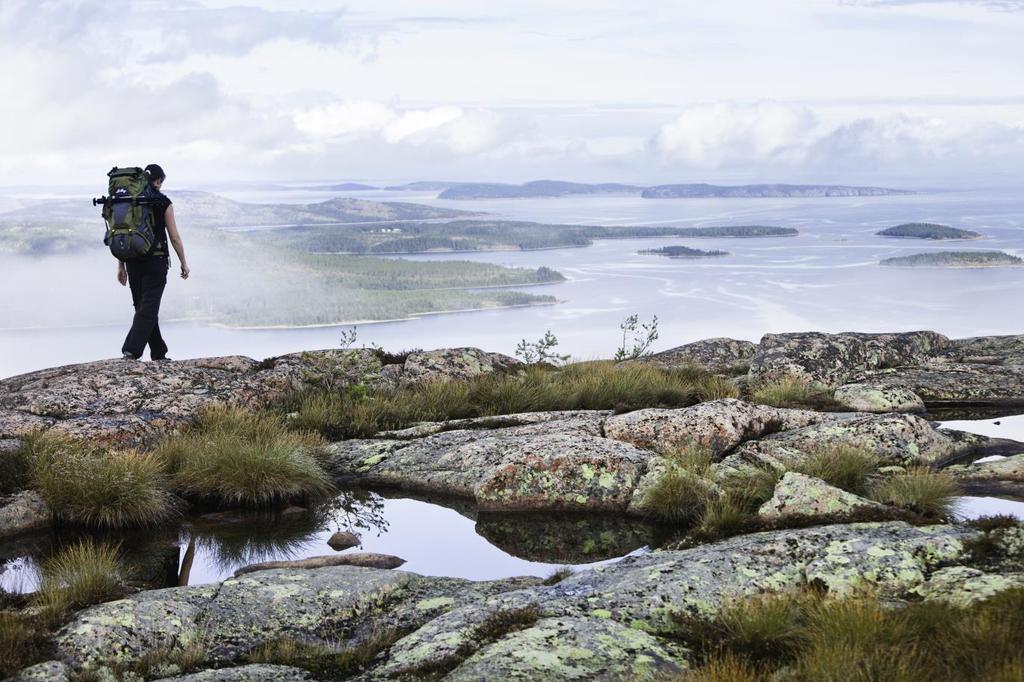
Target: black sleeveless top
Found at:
x=161, y=248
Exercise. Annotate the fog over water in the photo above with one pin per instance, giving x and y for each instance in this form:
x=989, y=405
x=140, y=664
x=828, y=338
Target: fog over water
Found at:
x=825, y=279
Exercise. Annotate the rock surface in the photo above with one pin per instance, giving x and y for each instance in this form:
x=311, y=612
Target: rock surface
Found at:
x=260, y=672
x=963, y=585
x=800, y=495
x=453, y=363
x=119, y=401
x=719, y=425
x=595, y=622
x=23, y=512
x=832, y=359
x=878, y=398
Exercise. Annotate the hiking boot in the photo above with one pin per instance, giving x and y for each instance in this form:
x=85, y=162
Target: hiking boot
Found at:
x=128, y=356
x=163, y=359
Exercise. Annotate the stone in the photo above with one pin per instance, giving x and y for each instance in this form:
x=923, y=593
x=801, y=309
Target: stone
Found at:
x=800, y=495
x=878, y=398
x=963, y=586
x=719, y=425
x=343, y=540
x=365, y=559
x=454, y=363
x=574, y=649
x=50, y=671
x=895, y=438
x=714, y=355
x=23, y=512
x=552, y=464
x=258, y=672
x=832, y=359
x=1004, y=469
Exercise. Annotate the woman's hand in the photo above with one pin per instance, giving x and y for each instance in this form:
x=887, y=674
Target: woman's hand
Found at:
x=185, y=271
x=122, y=274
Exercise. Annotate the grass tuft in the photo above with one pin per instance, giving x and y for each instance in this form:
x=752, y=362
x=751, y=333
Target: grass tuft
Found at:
x=326, y=661
x=808, y=637
x=557, y=576
x=113, y=489
x=253, y=459
x=598, y=385
x=723, y=517
x=921, y=490
x=844, y=466
x=789, y=390
x=81, y=575
x=716, y=387
x=679, y=495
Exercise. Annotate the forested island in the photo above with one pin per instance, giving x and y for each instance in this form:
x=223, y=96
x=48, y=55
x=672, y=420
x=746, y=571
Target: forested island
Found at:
x=534, y=189
x=557, y=188
x=406, y=237
x=701, y=190
x=955, y=259
x=681, y=252
x=928, y=231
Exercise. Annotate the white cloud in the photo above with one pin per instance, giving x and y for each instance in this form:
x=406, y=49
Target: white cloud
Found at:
x=455, y=129
x=712, y=135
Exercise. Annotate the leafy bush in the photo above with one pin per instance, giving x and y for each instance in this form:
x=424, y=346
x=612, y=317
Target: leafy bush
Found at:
x=237, y=457
x=96, y=487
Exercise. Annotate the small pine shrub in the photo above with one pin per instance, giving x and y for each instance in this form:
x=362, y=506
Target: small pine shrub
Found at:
x=920, y=489
x=241, y=458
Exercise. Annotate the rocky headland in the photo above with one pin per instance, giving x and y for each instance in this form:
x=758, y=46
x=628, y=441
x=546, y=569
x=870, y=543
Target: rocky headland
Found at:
x=872, y=393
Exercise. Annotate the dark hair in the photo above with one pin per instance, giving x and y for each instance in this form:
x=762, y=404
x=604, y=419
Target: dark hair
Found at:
x=155, y=172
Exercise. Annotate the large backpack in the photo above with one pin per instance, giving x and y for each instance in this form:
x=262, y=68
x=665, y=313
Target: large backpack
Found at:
x=128, y=211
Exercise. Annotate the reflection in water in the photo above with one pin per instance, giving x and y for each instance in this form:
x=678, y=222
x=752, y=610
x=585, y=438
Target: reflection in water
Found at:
x=434, y=539
x=568, y=539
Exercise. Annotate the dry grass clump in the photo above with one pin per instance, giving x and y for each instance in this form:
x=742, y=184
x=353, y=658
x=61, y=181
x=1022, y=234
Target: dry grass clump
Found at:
x=716, y=387
x=844, y=466
x=243, y=458
x=325, y=661
x=806, y=637
x=789, y=390
x=683, y=490
x=920, y=489
x=77, y=576
x=106, y=488
x=361, y=412
x=82, y=574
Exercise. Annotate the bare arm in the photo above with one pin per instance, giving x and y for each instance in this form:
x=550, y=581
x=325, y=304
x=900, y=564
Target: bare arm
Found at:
x=175, y=239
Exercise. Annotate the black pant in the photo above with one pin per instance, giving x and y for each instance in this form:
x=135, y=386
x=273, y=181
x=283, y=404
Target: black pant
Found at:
x=147, y=278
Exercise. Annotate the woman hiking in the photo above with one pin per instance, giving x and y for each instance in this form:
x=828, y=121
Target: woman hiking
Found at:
x=147, y=276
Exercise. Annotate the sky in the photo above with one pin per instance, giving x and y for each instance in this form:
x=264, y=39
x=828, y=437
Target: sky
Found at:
x=912, y=92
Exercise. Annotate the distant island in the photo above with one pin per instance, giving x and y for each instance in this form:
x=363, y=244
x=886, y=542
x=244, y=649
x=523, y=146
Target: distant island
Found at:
x=483, y=234
x=955, y=259
x=928, y=231
x=699, y=191
x=681, y=252
x=535, y=189
x=343, y=187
